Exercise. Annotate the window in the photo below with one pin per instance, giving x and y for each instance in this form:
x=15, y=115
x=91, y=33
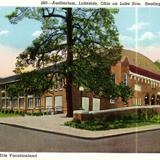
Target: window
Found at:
x=55, y=82
x=30, y=101
x=49, y=102
x=7, y=102
x=21, y=102
x=85, y=103
x=96, y=104
x=125, y=79
x=113, y=77
x=14, y=102
x=51, y=87
x=137, y=88
x=3, y=102
x=38, y=102
x=55, y=85
x=60, y=84
x=58, y=103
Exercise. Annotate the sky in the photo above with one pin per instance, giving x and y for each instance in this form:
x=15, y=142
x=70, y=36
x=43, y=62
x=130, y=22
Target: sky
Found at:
x=146, y=25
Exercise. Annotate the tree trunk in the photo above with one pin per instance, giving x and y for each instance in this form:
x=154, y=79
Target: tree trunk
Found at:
x=69, y=76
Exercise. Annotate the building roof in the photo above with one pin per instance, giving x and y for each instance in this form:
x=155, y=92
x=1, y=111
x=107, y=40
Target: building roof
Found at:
x=9, y=79
x=140, y=61
x=143, y=72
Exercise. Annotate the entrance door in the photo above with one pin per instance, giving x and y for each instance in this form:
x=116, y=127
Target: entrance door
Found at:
x=85, y=103
x=58, y=103
x=96, y=104
x=49, y=102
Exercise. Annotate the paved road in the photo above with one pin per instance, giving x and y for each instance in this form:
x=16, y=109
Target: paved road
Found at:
x=17, y=139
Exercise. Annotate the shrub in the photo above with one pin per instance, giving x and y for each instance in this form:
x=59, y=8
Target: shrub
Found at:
x=16, y=112
x=6, y=111
x=28, y=113
x=21, y=113
x=10, y=111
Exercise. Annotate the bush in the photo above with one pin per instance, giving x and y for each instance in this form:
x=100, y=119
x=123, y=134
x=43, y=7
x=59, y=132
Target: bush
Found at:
x=6, y=111
x=44, y=113
x=10, y=111
x=21, y=113
x=28, y=113
x=16, y=112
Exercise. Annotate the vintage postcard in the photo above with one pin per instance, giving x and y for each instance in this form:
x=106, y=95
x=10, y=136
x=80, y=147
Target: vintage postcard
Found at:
x=79, y=79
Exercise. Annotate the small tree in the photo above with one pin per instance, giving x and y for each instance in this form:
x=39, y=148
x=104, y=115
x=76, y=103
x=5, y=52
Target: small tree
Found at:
x=125, y=92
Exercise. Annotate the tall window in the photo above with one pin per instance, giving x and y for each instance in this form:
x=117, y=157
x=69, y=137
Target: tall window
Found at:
x=8, y=102
x=38, y=102
x=125, y=79
x=60, y=84
x=21, y=102
x=55, y=85
x=30, y=101
x=51, y=87
x=14, y=102
x=3, y=100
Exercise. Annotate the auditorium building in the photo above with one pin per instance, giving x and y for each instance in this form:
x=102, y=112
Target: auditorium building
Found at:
x=134, y=69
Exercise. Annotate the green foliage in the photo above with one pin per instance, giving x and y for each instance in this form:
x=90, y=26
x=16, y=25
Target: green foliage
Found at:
x=10, y=113
x=14, y=89
x=125, y=92
x=36, y=82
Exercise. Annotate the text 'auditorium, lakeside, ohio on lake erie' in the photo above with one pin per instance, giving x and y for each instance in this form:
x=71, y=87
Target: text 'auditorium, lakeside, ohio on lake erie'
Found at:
x=74, y=3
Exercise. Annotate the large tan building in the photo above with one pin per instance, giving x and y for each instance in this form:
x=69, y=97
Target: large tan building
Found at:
x=134, y=69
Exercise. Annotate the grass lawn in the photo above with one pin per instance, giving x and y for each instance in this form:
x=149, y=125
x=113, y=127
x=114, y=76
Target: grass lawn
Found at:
x=3, y=115
x=99, y=124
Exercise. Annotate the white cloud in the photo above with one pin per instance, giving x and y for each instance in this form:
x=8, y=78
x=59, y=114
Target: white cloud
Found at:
x=147, y=36
x=36, y=33
x=138, y=26
x=4, y=32
x=125, y=38
x=8, y=59
x=127, y=41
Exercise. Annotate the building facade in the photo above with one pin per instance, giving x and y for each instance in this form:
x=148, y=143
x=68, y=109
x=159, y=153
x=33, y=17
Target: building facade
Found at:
x=134, y=70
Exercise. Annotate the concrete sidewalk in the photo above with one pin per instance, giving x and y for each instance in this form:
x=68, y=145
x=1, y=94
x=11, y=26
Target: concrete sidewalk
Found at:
x=55, y=124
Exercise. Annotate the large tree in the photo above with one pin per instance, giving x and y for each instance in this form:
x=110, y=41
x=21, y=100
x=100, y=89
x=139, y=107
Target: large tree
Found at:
x=85, y=41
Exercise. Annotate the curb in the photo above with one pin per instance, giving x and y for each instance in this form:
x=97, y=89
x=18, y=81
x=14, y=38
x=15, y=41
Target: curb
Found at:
x=81, y=137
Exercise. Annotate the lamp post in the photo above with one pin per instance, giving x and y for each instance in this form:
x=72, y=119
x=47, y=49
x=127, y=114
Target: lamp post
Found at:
x=81, y=89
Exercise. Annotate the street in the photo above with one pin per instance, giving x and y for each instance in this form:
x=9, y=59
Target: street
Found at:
x=13, y=139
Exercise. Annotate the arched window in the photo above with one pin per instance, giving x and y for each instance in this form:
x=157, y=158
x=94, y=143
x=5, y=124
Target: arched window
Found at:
x=146, y=99
x=153, y=100
x=158, y=99
x=125, y=79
